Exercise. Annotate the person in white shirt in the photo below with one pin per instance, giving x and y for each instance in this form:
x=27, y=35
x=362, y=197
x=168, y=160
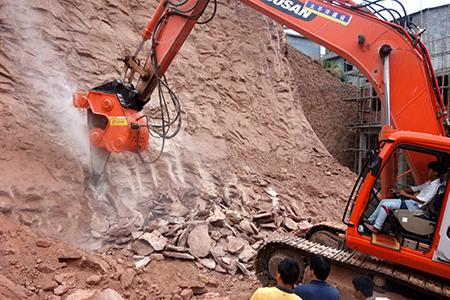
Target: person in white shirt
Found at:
x=414, y=202
x=363, y=289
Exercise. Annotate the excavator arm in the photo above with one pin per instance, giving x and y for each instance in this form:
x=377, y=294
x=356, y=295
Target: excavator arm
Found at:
x=390, y=56
x=115, y=119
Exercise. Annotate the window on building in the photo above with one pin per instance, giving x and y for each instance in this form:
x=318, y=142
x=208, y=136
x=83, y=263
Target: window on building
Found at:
x=443, y=85
x=347, y=66
x=376, y=103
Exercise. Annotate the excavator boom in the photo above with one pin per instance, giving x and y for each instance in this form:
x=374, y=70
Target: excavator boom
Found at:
x=359, y=38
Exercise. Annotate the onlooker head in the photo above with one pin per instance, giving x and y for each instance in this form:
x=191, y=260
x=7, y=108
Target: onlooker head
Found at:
x=363, y=287
x=317, y=288
x=287, y=275
x=320, y=265
x=289, y=270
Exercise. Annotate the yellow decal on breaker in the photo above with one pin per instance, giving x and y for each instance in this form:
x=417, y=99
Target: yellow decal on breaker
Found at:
x=118, y=121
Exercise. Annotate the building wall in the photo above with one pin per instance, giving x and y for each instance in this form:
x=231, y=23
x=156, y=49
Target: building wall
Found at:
x=302, y=44
x=436, y=37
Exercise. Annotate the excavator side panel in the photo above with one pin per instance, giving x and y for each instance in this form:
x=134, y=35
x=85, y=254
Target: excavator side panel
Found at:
x=442, y=252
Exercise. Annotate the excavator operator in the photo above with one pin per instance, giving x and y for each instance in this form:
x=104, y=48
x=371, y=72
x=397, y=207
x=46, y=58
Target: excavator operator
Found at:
x=426, y=191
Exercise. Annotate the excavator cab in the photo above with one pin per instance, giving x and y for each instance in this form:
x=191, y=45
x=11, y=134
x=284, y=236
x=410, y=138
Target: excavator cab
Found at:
x=398, y=163
x=413, y=229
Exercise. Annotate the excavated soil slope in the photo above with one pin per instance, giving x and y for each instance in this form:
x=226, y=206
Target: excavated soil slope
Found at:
x=245, y=151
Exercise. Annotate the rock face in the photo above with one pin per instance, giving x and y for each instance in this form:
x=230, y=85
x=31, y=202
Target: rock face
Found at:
x=246, y=158
x=243, y=133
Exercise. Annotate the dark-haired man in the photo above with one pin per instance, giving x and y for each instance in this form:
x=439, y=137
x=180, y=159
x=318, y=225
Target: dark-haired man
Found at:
x=363, y=289
x=318, y=289
x=287, y=276
x=414, y=202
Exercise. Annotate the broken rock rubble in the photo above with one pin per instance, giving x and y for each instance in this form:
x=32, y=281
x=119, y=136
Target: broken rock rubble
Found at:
x=216, y=233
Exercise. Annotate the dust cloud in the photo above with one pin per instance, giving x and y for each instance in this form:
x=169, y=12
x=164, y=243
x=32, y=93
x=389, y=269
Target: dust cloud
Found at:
x=52, y=88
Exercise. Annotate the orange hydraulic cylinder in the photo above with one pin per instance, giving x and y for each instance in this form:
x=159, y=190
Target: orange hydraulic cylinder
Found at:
x=160, y=10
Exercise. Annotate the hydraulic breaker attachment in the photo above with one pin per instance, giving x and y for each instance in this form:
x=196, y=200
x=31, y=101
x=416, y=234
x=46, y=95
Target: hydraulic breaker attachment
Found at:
x=113, y=128
x=115, y=121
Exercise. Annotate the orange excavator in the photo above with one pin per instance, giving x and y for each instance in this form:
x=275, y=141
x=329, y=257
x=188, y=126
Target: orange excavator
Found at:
x=413, y=248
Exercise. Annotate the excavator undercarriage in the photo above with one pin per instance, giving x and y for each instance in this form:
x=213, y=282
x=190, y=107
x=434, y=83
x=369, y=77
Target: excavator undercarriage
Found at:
x=321, y=239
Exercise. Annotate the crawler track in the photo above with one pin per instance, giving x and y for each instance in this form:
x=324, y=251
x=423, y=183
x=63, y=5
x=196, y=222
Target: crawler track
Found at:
x=303, y=249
